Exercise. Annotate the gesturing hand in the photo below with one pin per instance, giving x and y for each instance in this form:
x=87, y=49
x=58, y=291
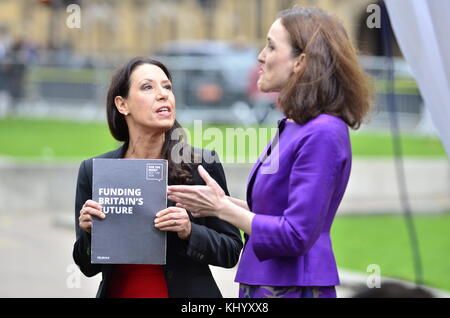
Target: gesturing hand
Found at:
x=201, y=201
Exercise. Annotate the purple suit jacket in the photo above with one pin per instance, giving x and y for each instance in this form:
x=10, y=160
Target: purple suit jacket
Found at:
x=295, y=205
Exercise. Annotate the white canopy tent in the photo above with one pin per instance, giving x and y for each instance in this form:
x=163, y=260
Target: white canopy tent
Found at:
x=422, y=28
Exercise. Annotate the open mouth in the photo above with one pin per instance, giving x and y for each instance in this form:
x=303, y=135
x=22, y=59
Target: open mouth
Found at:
x=163, y=110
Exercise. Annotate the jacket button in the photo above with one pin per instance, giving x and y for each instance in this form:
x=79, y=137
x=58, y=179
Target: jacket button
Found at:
x=169, y=274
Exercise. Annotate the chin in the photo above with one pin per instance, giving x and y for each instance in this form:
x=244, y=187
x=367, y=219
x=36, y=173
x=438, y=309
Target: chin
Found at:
x=162, y=124
x=170, y=123
x=269, y=90
x=262, y=88
x=167, y=124
x=265, y=88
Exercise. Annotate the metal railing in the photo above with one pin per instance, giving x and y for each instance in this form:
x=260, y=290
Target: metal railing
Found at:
x=205, y=88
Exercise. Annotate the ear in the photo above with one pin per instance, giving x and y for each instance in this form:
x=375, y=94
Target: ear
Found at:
x=121, y=105
x=300, y=63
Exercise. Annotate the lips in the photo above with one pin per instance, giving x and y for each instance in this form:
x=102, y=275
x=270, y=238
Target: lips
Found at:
x=164, y=110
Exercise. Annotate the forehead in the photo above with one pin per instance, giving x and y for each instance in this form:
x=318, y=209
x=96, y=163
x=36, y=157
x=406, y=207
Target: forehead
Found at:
x=278, y=32
x=148, y=71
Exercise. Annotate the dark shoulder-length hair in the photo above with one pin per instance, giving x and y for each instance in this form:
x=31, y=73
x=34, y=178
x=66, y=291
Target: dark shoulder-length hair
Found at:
x=180, y=171
x=333, y=81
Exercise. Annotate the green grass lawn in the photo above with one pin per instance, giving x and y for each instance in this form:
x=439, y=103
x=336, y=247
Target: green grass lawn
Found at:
x=46, y=139
x=53, y=139
x=359, y=241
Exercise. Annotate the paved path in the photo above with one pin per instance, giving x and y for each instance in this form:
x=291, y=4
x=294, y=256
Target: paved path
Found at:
x=37, y=260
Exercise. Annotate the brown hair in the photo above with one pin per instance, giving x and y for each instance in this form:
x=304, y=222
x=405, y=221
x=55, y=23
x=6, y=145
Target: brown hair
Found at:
x=332, y=82
x=179, y=173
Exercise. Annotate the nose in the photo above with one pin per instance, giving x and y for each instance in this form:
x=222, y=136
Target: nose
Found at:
x=262, y=56
x=162, y=93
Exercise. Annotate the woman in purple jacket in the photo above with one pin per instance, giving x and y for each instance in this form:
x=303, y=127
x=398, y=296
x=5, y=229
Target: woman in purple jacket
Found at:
x=295, y=188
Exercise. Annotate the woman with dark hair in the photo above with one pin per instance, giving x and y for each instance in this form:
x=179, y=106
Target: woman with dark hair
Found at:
x=141, y=114
x=295, y=188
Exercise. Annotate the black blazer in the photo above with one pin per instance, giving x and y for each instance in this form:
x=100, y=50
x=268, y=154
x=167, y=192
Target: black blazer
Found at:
x=212, y=241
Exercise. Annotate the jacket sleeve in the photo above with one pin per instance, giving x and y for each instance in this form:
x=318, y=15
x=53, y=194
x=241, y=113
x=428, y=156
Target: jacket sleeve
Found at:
x=82, y=247
x=313, y=180
x=216, y=242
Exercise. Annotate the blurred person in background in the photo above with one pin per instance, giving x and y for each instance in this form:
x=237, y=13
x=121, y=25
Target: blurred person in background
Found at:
x=14, y=66
x=14, y=70
x=287, y=217
x=141, y=110
x=4, y=45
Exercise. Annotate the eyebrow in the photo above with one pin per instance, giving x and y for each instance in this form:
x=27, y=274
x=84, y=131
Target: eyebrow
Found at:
x=150, y=80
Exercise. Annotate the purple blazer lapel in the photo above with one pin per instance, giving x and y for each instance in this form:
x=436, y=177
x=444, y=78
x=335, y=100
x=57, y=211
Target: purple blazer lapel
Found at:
x=255, y=168
x=251, y=177
x=257, y=165
x=264, y=153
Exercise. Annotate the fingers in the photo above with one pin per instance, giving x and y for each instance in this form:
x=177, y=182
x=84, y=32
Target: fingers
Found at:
x=210, y=183
x=184, y=198
x=169, y=225
x=193, y=210
x=189, y=189
x=92, y=204
x=92, y=212
x=170, y=217
x=174, y=219
x=207, y=178
x=205, y=175
x=199, y=204
x=188, y=201
x=182, y=188
x=90, y=209
x=189, y=206
x=93, y=208
x=169, y=210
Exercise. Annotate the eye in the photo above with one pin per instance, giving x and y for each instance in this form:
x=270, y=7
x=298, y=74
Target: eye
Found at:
x=147, y=86
x=168, y=87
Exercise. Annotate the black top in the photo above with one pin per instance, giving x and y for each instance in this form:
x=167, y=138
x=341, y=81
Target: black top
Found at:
x=212, y=241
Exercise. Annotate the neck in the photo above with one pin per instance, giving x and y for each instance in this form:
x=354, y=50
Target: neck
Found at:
x=146, y=146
